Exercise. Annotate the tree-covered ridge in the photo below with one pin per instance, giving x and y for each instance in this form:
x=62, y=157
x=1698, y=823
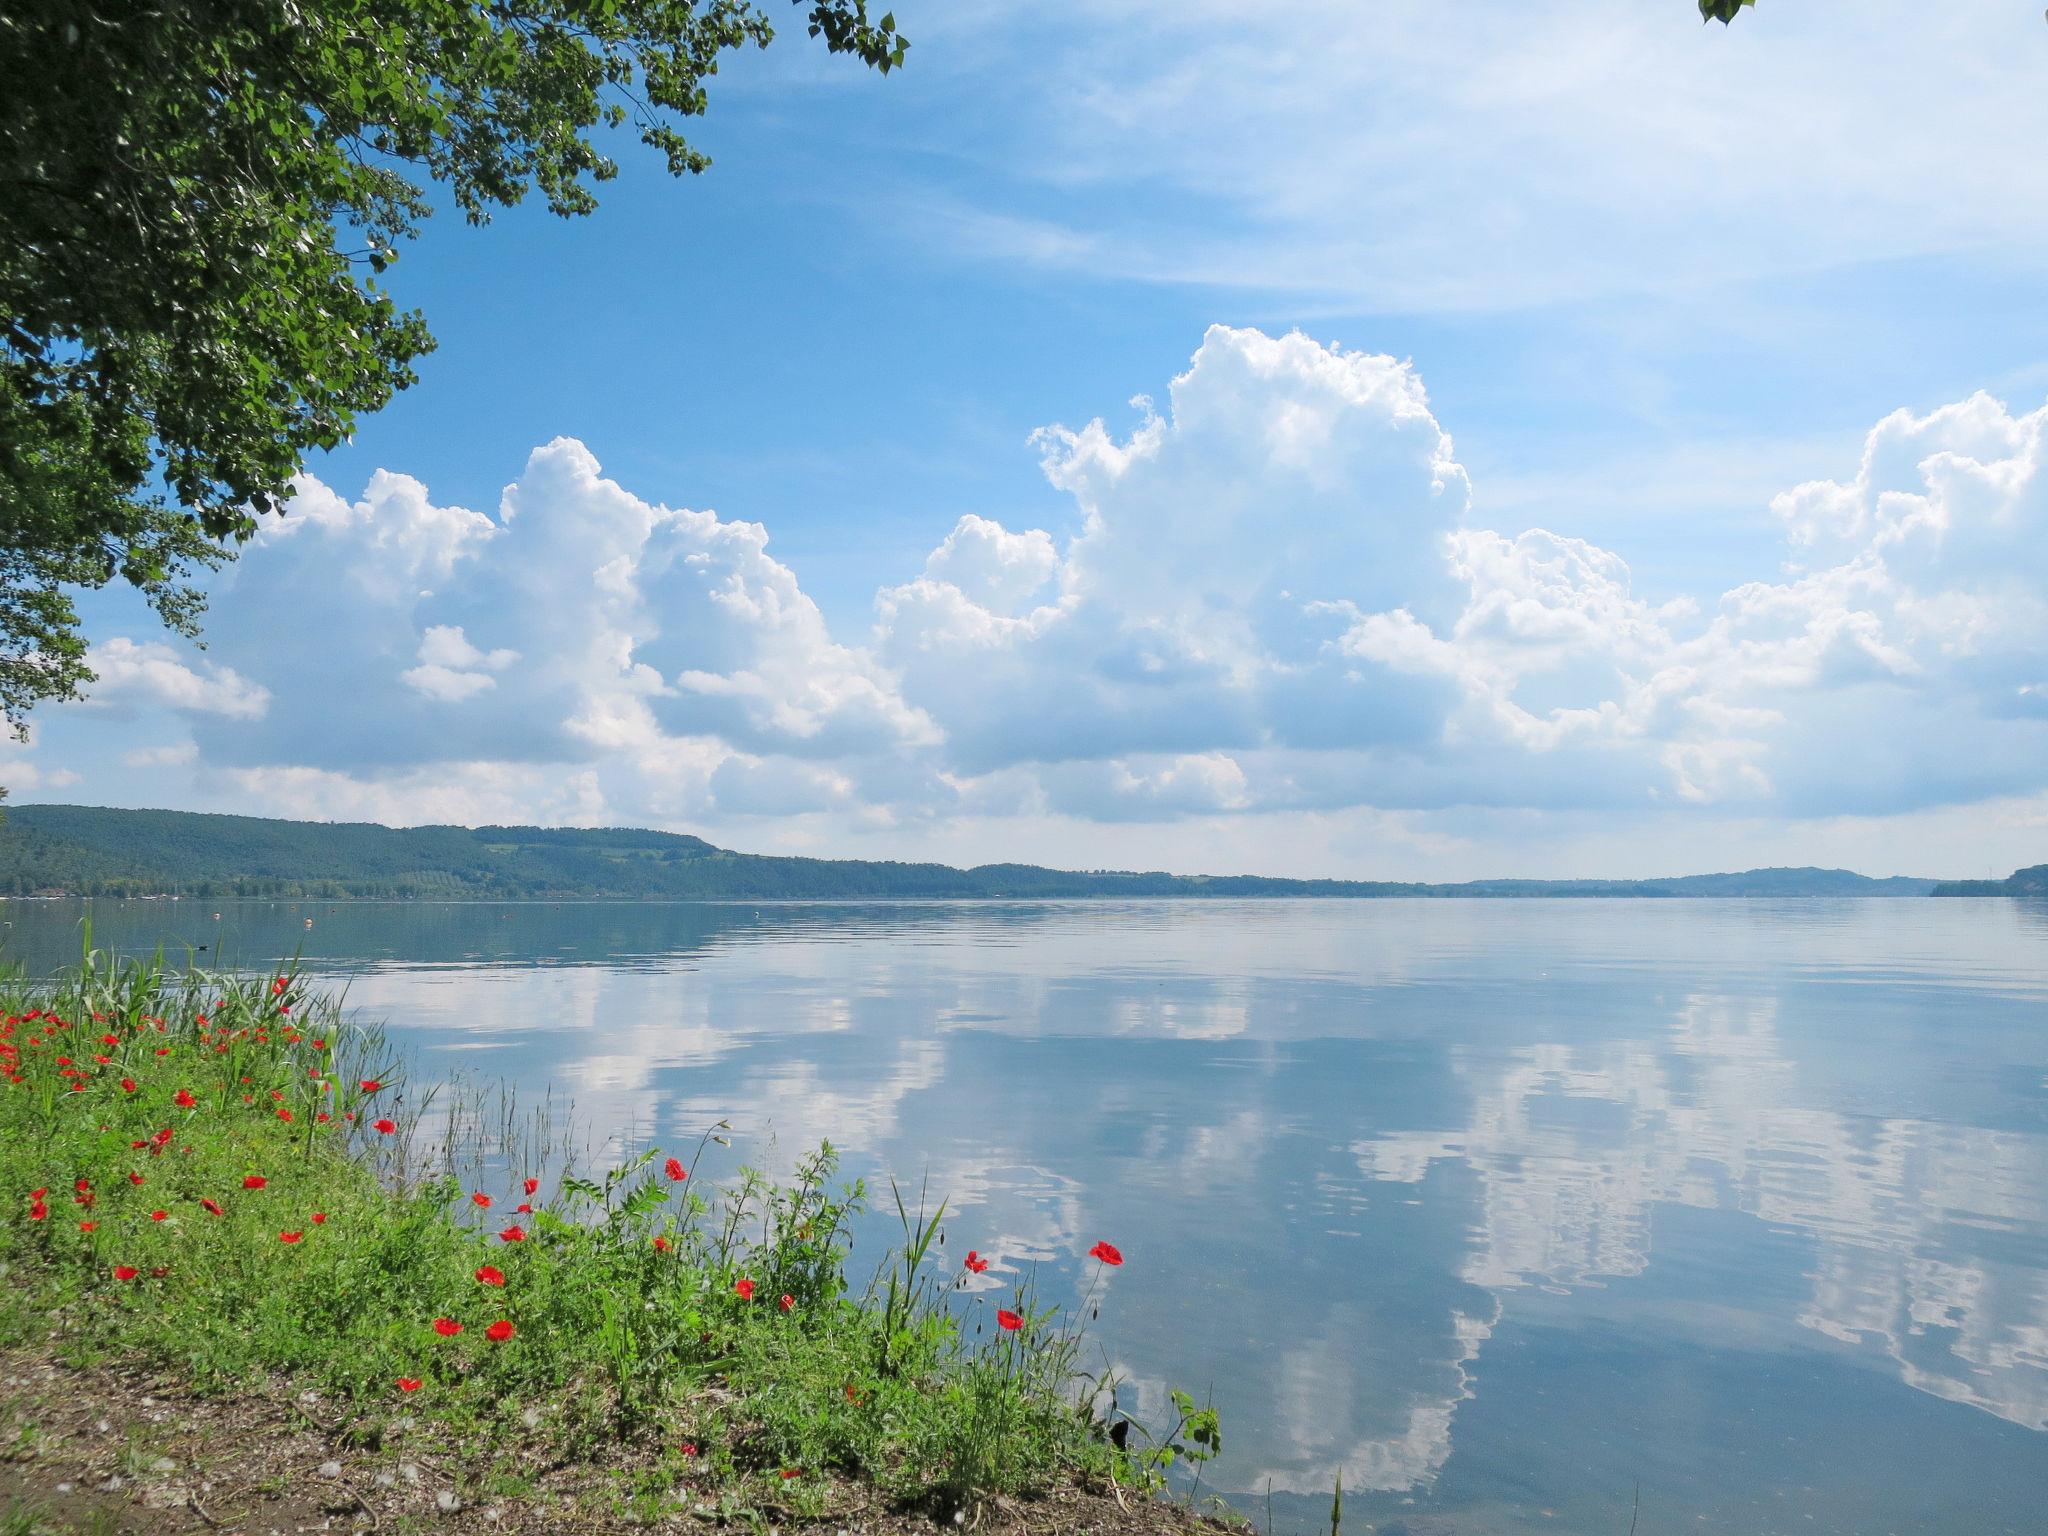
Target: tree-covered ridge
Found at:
x=2021, y=882
x=79, y=850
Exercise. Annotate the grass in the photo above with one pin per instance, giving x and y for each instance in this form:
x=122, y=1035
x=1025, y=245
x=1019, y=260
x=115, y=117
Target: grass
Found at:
x=210, y=1174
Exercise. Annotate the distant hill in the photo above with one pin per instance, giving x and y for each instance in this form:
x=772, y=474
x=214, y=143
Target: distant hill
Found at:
x=2022, y=882
x=77, y=850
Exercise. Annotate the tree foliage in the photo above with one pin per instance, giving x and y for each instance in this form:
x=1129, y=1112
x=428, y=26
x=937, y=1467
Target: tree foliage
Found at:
x=1722, y=11
x=198, y=199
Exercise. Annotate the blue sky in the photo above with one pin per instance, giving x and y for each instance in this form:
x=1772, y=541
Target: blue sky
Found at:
x=1642, y=280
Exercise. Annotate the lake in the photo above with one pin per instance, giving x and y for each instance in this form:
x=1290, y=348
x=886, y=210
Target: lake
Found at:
x=1516, y=1211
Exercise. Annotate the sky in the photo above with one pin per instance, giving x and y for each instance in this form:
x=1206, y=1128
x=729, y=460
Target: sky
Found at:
x=1407, y=441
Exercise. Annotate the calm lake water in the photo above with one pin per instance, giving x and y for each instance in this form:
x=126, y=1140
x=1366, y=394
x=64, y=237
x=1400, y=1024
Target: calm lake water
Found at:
x=1508, y=1209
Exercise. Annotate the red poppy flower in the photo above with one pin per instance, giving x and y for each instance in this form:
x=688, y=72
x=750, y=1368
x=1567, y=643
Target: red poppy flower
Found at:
x=788, y=1302
x=523, y=1208
x=87, y=1226
x=1008, y=1320
x=386, y=1127
x=675, y=1170
x=499, y=1331
x=744, y=1289
x=447, y=1327
x=127, y=1085
x=289, y=1237
x=37, y=1211
x=688, y=1447
x=284, y=1114
x=37, y=1194
x=277, y=987
x=513, y=1234
x=789, y=1472
x=975, y=1262
x=408, y=1383
x=490, y=1274
x=134, y=1178
x=125, y=1271
x=159, y=1215
x=481, y=1199
x=371, y=1085
x=319, y=1218
x=661, y=1245
x=254, y=1181
x=1106, y=1252
x=532, y=1186
x=183, y=1098
x=211, y=1207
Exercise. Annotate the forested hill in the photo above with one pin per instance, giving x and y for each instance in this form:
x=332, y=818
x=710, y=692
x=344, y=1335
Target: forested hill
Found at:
x=89, y=851
x=2021, y=882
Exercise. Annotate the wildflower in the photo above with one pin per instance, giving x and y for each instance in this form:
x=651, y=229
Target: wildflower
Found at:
x=127, y=1085
x=125, y=1271
x=788, y=1302
x=1008, y=1320
x=675, y=1170
x=789, y=1472
x=284, y=1114
x=533, y=1186
x=743, y=1288
x=183, y=1098
x=371, y=1085
x=447, y=1327
x=159, y=1215
x=1106, y=1252
x=87, y=1226
x=661, y=1245
x=277, y=987
x=523, y=1208
x=688, y=1447
x=975, y=1262
x=319, y=1218
x=513, y=1234
x=481, y=1199
x=385, y=1127
x=134, y=1177
x=211, y=1207
x=254, y=1181
x=289, y=1237
x=499, y=1331
x=323, y=1117
x=408, y=1383
x=37, y=1211
x=490, y=1274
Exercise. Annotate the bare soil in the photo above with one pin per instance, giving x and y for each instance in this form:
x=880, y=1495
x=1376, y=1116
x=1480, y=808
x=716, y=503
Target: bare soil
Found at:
x=99, y=1451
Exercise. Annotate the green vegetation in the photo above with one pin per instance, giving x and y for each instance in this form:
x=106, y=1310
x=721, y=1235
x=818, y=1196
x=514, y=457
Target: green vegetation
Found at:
x=88, y=851
x=2021, y=882
x=210, y=1175
x=200, y=200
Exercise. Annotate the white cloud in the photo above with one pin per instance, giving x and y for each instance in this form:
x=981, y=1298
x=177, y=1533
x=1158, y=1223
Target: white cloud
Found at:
x=1276, y=610
x=152, y=672
x=451, y=668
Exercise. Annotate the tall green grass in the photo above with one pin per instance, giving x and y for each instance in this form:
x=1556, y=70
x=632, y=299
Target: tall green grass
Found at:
x=209, y=1173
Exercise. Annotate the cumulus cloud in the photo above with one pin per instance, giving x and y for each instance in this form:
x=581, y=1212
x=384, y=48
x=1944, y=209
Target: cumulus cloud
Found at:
x=152, y=672
x=1276, y=602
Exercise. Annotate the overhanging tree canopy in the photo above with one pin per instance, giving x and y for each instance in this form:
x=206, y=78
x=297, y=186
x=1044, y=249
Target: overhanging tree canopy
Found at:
x=196, y=200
